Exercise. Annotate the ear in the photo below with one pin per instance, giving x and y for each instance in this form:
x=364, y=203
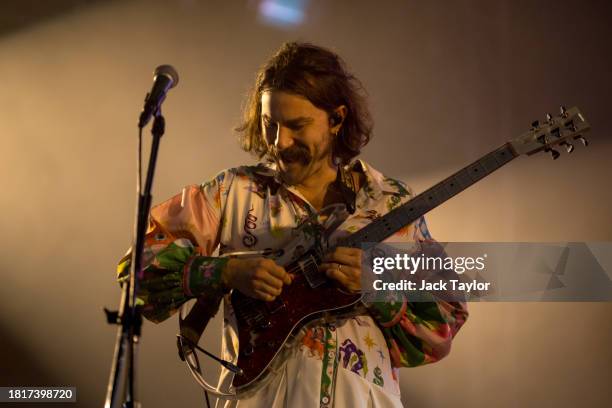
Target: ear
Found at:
x=336, y=118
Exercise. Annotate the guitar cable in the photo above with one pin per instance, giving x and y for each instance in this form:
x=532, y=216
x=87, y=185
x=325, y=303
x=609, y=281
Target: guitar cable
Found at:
x=228, y=365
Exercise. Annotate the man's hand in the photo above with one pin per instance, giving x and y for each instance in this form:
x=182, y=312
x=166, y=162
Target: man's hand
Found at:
x=344, y=266
x=259, y=278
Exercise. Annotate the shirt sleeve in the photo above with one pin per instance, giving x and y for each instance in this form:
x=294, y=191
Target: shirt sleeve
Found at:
x=183, y=233
x=418, y=333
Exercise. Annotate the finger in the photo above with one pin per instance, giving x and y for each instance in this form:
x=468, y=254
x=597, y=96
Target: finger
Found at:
x=347, y=276
x=351, y=283
x=326, y=266
x=335, y=274
x=265, y=288
x=345, y=258
x=346, y=253
x=279, y=272
x=263, y=296
x=347, y=250
x=267, y=277
x=351, y=273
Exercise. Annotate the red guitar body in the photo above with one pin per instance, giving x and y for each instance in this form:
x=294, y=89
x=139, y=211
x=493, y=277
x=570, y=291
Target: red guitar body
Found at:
x=264, y=327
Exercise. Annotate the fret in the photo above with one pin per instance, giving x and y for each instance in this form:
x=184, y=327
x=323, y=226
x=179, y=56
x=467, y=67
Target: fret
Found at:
x=489, y=163
x=439, y=195
x=463, y=178
x=476, y=172
x=395, y=218
x=409, y=212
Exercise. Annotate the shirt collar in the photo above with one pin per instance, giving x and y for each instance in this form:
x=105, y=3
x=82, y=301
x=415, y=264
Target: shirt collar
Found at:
x=376, y=183
x=375, y=186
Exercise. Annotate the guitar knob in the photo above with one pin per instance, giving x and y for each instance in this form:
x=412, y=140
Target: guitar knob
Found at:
x=548, y=117
x=582, y=139
x=568, y=146
x=265, y=325
x=555, y=154
x=248, y=350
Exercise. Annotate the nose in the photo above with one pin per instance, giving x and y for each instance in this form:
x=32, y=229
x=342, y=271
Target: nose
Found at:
x=284, y=138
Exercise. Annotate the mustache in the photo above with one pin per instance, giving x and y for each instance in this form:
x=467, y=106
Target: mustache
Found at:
x=295, y=153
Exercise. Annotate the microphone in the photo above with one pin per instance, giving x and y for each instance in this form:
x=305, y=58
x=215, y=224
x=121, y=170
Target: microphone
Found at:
x=164, y=79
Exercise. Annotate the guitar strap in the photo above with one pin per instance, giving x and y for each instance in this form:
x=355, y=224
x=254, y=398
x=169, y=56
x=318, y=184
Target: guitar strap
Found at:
x=346, y=186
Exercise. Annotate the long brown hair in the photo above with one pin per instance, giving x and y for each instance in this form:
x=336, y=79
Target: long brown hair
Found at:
x=320, y=76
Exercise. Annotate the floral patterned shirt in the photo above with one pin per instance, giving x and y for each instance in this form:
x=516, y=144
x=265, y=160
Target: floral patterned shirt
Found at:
x=350, y=362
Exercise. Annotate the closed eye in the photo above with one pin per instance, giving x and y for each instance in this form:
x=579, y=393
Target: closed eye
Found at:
x=295, y=127
x=298, y=123
x=294, y=124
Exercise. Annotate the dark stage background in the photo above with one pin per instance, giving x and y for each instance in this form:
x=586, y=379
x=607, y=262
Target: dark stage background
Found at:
x=448, y=82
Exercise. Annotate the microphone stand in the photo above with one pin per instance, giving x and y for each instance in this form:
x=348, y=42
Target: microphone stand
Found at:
x=121, y=384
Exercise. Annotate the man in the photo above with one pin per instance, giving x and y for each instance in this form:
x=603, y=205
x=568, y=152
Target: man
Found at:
x=308, y=120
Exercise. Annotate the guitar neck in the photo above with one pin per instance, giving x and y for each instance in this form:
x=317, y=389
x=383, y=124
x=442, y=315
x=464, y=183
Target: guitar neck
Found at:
x=387, y=225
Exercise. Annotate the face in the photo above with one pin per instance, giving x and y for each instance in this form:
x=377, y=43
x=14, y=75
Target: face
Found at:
x=298, y=135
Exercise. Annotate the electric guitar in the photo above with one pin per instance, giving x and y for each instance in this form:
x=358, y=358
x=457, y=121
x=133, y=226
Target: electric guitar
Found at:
x=265, y=327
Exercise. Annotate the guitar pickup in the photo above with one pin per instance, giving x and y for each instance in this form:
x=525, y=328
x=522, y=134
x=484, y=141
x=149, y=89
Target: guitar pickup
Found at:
x=311, y=272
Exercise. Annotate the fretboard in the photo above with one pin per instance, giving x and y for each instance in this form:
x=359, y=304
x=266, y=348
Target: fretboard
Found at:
x=387, y=225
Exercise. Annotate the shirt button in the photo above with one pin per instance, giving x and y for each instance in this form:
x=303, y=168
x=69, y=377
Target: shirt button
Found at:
x=331, y=327
x=324, y=401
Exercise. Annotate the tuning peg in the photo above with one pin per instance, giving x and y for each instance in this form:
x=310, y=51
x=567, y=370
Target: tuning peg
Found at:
x=555, y=154
x=548, y=117
x=535, y=124
x=568, y=146
x=582, y=139
x=563, y=110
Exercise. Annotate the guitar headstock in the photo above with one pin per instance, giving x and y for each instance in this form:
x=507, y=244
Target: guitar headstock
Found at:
x=560, y=130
